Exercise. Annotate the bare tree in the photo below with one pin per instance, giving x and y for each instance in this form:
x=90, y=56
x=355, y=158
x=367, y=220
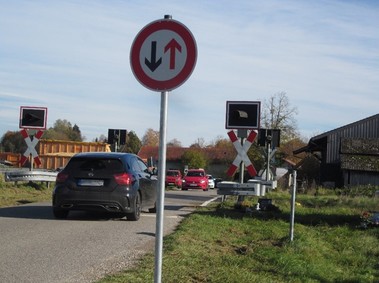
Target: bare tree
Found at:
x=221, y=142
x=151, y=138
x=277, y=113
x=199, y=143
x=174, y=142
x=102, y=138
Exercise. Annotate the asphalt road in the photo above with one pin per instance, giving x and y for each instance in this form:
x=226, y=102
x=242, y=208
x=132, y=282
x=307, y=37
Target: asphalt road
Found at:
x=35, y=247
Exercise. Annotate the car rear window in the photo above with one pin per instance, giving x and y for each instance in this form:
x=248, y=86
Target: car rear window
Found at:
x=172, y=173
x=95, y=164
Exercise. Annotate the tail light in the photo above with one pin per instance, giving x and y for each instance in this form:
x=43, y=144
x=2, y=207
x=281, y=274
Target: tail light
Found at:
x=123, y=179
x=61, y=177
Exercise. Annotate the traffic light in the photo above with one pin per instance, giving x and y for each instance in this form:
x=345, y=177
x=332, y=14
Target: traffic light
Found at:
x=118, y=136
x=271, y=136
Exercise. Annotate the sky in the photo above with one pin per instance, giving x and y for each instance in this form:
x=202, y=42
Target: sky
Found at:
x=73, y=57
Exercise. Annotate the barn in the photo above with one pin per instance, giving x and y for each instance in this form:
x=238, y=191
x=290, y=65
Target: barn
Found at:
x=349, y=155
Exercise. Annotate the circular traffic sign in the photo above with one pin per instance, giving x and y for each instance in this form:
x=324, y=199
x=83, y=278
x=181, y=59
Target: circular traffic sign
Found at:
x=163, y=55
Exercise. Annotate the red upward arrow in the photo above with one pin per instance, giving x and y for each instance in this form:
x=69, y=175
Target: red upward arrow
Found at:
x=172, y=45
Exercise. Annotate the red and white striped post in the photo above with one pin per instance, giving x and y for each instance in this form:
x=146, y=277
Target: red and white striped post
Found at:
x=242, y=149
x=31, y=151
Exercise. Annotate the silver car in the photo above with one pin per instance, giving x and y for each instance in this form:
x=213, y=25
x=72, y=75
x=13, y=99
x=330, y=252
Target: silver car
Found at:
x=211, y=182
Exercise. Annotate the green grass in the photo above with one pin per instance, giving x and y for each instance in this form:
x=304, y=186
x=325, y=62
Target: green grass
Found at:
x=221, y=243
x=23, y=192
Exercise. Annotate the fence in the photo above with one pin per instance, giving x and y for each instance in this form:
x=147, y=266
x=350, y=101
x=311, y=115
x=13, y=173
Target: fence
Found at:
x=55, y=154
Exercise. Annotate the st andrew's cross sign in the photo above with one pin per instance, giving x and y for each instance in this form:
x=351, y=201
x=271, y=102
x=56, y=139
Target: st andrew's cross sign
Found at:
x=242, y=153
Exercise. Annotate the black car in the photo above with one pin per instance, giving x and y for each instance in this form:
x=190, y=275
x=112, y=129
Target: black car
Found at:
x=105, y=181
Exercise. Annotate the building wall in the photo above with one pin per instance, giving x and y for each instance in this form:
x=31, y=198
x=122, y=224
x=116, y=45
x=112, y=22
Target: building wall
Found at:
x=367, y=129
x=357, y=178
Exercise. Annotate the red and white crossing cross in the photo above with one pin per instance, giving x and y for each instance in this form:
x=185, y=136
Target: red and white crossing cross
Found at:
x=31, y=143
x=242, y=153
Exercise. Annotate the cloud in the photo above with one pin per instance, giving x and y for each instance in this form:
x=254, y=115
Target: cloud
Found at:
x=73, y=57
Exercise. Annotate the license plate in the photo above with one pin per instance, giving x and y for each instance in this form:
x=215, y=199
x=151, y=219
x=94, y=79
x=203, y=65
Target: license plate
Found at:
x=90, y=183
x=193, y=185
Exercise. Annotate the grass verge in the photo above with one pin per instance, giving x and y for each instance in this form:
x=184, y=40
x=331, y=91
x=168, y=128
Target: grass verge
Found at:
x=24, y=192
x=220, y=243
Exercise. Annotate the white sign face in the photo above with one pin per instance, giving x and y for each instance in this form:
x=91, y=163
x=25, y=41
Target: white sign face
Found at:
x=163, y=55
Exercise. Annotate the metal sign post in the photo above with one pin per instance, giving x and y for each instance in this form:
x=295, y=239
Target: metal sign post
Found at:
x=162, y=57
x=161, y=188
x=293, y=198
x=268, y=159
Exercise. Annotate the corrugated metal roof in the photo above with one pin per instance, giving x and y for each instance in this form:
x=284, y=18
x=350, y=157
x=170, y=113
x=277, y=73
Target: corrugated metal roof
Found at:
x=329, y=142
x=365, y=128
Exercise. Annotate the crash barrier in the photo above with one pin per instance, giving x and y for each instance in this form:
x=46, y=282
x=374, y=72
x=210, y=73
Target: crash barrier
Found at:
x=253, y=187
x=30, y=176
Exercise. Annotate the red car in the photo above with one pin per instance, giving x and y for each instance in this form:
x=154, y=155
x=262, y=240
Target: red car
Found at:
x=195, y=179
x=173, y=178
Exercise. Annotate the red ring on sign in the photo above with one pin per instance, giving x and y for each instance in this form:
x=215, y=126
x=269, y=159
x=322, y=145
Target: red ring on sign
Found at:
x=189, y=64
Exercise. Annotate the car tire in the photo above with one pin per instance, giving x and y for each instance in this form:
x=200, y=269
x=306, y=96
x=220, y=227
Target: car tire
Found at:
x=60, y=213
x=136, y=214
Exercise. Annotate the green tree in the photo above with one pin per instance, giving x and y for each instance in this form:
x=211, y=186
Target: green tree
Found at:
x=194, y=158
x=13, y=142
x=133, y=143
x=63, y=130
x=75, y=134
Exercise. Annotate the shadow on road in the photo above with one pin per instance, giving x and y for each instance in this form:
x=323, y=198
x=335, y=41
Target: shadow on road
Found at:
x=27, y=211
x=180, y=201
x=31, y=211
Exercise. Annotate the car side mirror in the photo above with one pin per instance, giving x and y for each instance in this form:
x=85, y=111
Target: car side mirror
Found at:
x=153, y=171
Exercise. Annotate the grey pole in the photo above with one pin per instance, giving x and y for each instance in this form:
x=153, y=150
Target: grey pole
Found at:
x=293, y=197
x=161, y=188
x=268, y=159
x=31, y=162
x=242, y=167
x=161, y=185
x=240, y=198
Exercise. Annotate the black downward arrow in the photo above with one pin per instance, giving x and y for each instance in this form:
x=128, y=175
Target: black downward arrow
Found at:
x=153, y=64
